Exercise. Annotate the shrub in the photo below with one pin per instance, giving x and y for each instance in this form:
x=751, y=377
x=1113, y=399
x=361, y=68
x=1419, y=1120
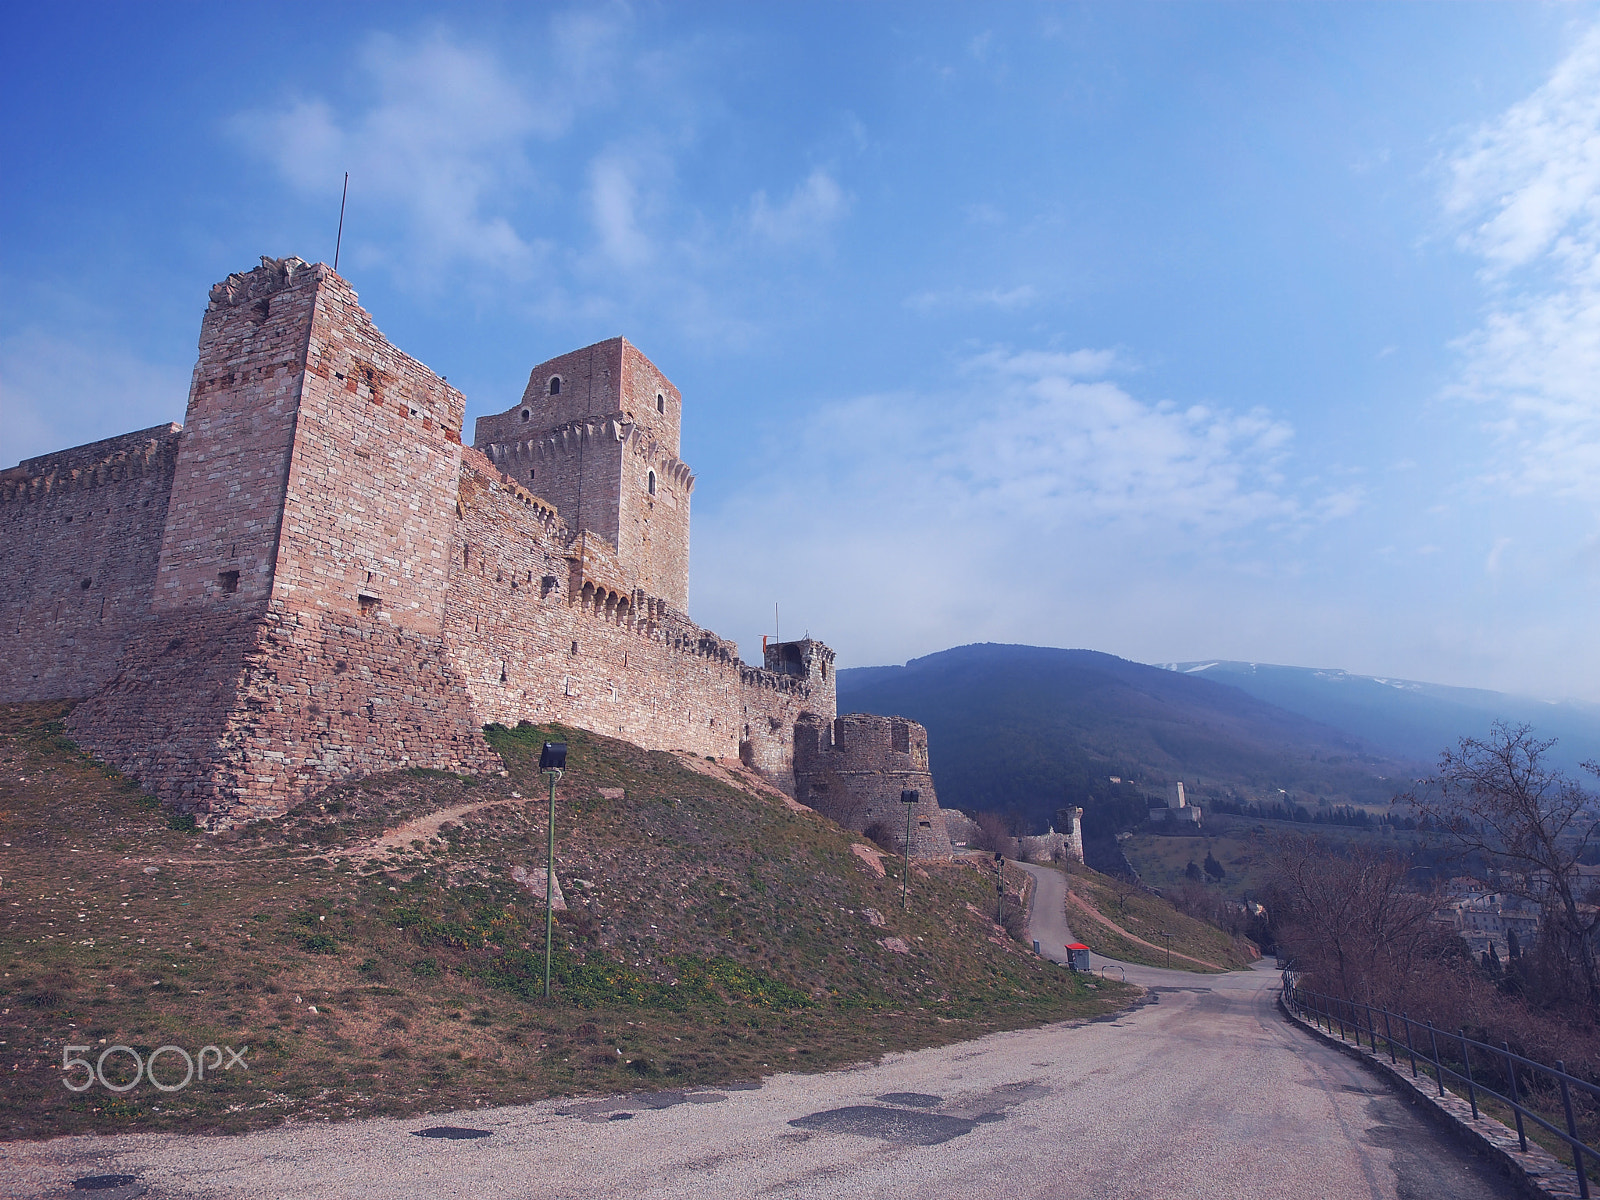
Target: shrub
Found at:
x=318, y=943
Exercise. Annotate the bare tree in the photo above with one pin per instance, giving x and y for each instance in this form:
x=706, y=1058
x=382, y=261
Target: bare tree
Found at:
x=1499, y=799
x=1124, y=886
x=994, y=833
x=1351, y=919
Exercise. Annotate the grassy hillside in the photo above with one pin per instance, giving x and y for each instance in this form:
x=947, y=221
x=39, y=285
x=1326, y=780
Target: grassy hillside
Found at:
x=1147, y=918
x=1031, y=729
x=376, y=954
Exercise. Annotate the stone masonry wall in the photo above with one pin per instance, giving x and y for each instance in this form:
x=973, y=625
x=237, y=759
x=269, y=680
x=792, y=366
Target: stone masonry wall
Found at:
x=565, y=446
x=221, y=541
x=237, y=714
x=653, y=521
x=1054, y=845
x=371, y=494
x=542, y=628
x=80, y=533
x=853, y=770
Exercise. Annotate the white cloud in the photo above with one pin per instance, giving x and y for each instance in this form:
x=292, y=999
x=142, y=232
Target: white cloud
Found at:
x=57, y=392
x=1060, y=447
x=1006, y=299
x=809, y=211
x=1537, y=168
x=1527, y=187
x=442, y=144
x=1075, y=364
x=614, y=202
x=1031, y=501
x=1491, y=564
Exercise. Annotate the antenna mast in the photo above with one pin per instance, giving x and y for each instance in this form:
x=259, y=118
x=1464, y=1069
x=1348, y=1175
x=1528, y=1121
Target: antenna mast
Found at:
x=340, y=238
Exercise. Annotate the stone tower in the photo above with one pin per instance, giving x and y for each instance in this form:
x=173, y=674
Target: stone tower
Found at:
x=596, y=434
x=294, y=633
x=854, y=769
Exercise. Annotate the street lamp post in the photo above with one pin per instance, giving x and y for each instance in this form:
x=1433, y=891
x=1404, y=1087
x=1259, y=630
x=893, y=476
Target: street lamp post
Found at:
x=999, y=889
x=553, y=762
x=1168, y=937
x=908, y=797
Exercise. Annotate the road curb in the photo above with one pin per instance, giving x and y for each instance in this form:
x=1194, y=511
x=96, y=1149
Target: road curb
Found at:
x=1536, y=1172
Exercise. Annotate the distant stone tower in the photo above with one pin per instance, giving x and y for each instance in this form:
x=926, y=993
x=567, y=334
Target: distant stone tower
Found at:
x=1057, y=845
x=854, y=769
x=1074, y=833
x=596, y=434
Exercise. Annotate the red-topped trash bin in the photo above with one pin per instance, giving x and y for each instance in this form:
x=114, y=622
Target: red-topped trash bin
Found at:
x=1078, y=957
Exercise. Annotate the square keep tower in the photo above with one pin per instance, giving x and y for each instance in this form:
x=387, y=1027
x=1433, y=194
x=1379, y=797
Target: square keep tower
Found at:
x=596, y=434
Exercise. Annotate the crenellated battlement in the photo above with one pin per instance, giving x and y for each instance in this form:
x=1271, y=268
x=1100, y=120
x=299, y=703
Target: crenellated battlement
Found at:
x=114, y=461
x=856, y=768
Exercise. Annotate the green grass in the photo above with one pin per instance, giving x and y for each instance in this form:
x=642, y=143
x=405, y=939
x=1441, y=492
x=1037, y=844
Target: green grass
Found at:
x=714, y=935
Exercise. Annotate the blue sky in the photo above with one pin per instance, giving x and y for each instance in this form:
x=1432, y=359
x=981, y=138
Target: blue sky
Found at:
x=1176, y=331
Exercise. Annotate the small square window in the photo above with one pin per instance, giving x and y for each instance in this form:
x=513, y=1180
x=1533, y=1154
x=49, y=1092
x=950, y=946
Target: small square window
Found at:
x=369, y=604
x=228, y=581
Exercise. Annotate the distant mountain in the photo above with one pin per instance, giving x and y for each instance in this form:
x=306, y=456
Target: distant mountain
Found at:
x=1030, y=729
x=1403, y=717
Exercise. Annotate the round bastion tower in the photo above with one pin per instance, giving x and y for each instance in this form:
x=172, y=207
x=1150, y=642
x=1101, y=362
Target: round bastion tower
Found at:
x=854, y=770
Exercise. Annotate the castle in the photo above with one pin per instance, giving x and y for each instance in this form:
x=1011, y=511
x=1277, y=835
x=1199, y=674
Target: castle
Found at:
x=314, y=578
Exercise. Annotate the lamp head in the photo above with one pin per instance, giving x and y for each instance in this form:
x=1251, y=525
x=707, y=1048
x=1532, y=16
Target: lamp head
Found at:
x=553, y=757
x=909, y=795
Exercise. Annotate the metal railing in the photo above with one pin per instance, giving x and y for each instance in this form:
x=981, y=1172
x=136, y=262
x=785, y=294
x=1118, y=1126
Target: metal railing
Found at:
x=1104, y=967
x=1522, y=1078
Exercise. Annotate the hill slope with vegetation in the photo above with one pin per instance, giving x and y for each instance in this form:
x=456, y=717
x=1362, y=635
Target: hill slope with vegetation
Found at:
x=1118, y=919
x=379, y=950
x=1405, y=718
x=1028, y=729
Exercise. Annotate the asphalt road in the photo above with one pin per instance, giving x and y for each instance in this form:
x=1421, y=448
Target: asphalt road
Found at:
x=1205, y=1091
x=1047, y=914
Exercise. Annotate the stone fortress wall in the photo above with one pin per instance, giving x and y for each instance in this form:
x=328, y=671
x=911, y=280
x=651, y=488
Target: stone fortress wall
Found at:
x=82, y=536
x=1056, y=845
x=314, y=578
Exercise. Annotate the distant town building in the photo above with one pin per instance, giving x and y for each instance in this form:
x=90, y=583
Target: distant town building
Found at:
x=1484, y=918
x=1176, y=809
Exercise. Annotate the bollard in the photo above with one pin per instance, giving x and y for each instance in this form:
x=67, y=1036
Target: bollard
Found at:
x=1036, y=945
